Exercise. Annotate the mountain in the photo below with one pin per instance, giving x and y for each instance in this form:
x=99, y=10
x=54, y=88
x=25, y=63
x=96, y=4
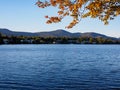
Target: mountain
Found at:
x=14, y=33
x=56, y=33
x=92, y=34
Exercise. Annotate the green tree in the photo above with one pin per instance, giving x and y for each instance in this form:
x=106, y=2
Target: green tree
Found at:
x=1, y=39
x=90, y=40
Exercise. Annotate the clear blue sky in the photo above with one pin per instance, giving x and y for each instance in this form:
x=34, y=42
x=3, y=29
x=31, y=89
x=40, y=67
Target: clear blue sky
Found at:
x=23, y=15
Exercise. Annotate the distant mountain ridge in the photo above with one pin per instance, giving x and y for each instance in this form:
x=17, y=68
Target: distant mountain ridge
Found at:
x=56, y=33
x=14, y=33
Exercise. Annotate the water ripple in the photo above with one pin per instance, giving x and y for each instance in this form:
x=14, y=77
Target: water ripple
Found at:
x=60, y=67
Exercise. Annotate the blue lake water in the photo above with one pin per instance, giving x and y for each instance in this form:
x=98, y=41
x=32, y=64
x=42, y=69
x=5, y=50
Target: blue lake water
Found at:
x=59, y=67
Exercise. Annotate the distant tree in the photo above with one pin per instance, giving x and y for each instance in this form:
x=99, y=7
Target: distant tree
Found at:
x=64, y=40
x=105, y=10
x=0, y=35
x=1, y=39
x=101, y=40
x=90, y=40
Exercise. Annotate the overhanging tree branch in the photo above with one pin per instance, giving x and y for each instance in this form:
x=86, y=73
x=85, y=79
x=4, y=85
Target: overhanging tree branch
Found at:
x=105, y=10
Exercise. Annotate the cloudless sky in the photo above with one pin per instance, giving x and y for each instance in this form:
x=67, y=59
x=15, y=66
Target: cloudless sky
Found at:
x=24, y=15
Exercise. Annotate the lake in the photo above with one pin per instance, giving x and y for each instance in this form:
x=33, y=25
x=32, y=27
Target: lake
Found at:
x=59, y=67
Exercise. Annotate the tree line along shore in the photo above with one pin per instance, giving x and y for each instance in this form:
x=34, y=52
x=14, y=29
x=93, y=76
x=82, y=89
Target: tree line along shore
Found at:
x=55, y=40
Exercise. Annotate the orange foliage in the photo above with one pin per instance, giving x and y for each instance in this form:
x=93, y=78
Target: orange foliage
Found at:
x=105, y=10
